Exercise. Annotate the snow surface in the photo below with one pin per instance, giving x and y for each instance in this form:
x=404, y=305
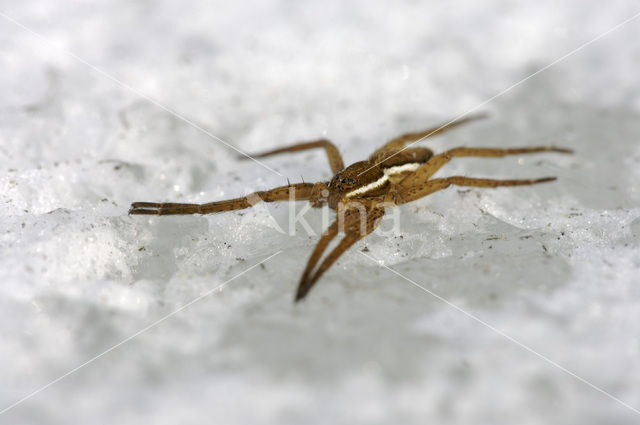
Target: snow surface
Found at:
x=554, y=267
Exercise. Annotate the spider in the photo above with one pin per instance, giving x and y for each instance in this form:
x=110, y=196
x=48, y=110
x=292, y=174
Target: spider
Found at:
x=393, y=175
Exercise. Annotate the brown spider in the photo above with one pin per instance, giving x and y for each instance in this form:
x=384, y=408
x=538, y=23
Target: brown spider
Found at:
x=393, y=175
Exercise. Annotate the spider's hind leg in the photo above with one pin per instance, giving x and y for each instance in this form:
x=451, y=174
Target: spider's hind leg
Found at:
x=400, y=142
x=404, y=194
x=438, y=161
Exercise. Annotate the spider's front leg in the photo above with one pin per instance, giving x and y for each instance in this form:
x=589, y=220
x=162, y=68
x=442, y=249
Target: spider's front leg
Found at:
x=335, y=159
x=357, y=224
x=292, y=192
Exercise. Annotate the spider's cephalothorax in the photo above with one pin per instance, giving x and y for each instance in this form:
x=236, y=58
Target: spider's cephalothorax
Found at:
x=393, y=175
x=360, y=179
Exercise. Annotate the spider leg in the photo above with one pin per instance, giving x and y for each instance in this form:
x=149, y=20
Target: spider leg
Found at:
x=354, y=232
x=335, y=159
x=296, y=192
x=319, y=249
x=401, y=141
x=406, y=194
x=438, y=161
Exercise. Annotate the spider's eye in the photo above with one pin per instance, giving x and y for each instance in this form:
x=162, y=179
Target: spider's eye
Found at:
x=352, y=181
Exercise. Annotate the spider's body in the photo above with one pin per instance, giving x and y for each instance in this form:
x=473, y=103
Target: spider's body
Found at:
x=392, y=175
x=374, y=181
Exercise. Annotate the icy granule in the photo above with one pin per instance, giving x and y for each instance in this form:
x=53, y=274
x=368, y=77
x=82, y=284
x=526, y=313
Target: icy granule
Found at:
x=554, y=267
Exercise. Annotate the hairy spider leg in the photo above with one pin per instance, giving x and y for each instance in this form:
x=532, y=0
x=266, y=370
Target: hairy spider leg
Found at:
x=404, y=194
x=438, y=161
x=335, y=159
x=400, y=142
x=321, y=246
x=354, y=231
x=296, y=192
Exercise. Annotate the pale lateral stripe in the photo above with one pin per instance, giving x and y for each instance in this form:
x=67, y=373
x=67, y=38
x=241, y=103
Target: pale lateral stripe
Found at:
x=412, y=166
x=364, y=189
